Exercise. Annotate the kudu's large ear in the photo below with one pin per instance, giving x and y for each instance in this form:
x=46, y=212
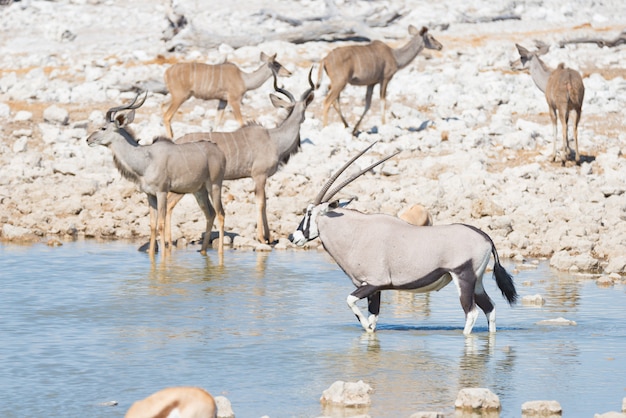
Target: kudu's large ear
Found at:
x=124, y=119
x=423, y=30
x=413, y=30
x=280, y=102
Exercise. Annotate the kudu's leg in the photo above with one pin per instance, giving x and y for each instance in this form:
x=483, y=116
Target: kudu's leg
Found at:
x=172, y=200
x=161, y=212
x=383, y=101
x=235, y=103
x=262, y=226
x=152, y=206
x=366, y=291
x=578, y=111
x=368, y=102
x=175, y=103
x=564, y=116
x=221, y=105
x=332, y=99
x=202, y=197
x=216, y=198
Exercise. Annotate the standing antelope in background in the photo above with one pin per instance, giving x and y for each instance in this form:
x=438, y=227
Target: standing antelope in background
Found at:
x=180, y=402
x=224, y=82
x=164, y=167
x=256, y=152
x=564, y=92
x=368, y=65
x=380, y=252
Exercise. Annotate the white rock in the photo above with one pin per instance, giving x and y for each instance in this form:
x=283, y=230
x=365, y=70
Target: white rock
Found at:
x=56, y=115
x=477, y=399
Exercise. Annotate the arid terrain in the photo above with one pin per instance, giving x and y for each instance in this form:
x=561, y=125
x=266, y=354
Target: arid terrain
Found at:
x=474, y=130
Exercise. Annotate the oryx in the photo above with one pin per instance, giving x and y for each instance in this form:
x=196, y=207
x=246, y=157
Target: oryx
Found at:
x=380, y=252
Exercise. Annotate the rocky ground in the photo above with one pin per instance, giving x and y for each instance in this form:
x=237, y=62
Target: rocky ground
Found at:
x=474, y=130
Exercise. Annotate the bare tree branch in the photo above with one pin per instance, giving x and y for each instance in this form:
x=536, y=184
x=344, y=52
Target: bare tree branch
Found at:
x=621, y=39
x=331, y=26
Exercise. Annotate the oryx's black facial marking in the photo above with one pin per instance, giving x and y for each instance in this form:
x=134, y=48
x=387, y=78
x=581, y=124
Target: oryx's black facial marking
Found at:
x=304, y=226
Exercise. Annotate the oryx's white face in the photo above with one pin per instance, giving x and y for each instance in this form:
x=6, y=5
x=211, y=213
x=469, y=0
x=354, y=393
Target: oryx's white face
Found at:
x=307, y=230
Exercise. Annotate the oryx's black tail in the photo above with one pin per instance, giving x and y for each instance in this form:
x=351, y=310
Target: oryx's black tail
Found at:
x=503, y=278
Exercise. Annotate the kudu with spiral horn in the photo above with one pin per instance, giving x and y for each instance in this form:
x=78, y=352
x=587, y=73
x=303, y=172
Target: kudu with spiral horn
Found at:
x=163, y=167
x=380, y=252
x=257, y=152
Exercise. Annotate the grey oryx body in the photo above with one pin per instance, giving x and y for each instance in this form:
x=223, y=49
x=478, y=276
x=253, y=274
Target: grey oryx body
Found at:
x=257, y=152
x=380, y=252
x=164, y=167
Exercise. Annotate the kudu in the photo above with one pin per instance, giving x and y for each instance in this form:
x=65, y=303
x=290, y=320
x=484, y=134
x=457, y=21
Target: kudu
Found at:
x=380, y=252
x=368, y=65
x=224, y=82
x=256, y=152
x=564, y=92
x=181, y=402
x=164, y=167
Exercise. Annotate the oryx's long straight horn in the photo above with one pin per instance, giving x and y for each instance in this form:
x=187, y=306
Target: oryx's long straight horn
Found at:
x=357, y=175
x=131, y=106
x=320, y=195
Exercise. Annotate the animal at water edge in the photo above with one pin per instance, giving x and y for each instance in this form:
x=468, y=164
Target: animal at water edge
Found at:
x=163, y=167
x=564, y=91
x=368, y=65
x=380, y=252
x=257, y=152
x=175, y=402
x=225, y=82
x=416, y=215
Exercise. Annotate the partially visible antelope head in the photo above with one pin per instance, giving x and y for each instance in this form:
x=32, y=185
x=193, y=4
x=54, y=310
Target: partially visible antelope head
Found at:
x=292, y=104
x=116, y=124
x=322, y=205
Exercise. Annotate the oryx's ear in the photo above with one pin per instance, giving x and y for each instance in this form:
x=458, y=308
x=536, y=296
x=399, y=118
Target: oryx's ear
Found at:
x=280, y=102
x=341, y=203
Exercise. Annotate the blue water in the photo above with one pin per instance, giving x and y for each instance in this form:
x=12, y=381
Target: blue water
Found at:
x=91, y=322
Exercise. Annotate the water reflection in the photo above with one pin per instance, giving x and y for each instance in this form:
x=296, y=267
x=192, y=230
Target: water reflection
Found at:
x=272, y=331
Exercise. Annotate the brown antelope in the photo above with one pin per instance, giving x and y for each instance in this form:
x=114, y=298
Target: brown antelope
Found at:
x=224, y=82
x=368, y=65
x=564, y=92
x=163, y=167
x=181, y=402
x=256, y=152
x=380, y=252
x=417, y=215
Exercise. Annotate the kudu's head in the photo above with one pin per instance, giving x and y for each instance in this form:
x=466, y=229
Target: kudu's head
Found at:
x=293, y=105
x=115, y=125
x=275, y=66
x=429, y=40
x=526, y=56
x=307, y=230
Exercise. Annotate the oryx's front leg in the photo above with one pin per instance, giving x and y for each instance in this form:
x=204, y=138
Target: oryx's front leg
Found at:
x=372, y=293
